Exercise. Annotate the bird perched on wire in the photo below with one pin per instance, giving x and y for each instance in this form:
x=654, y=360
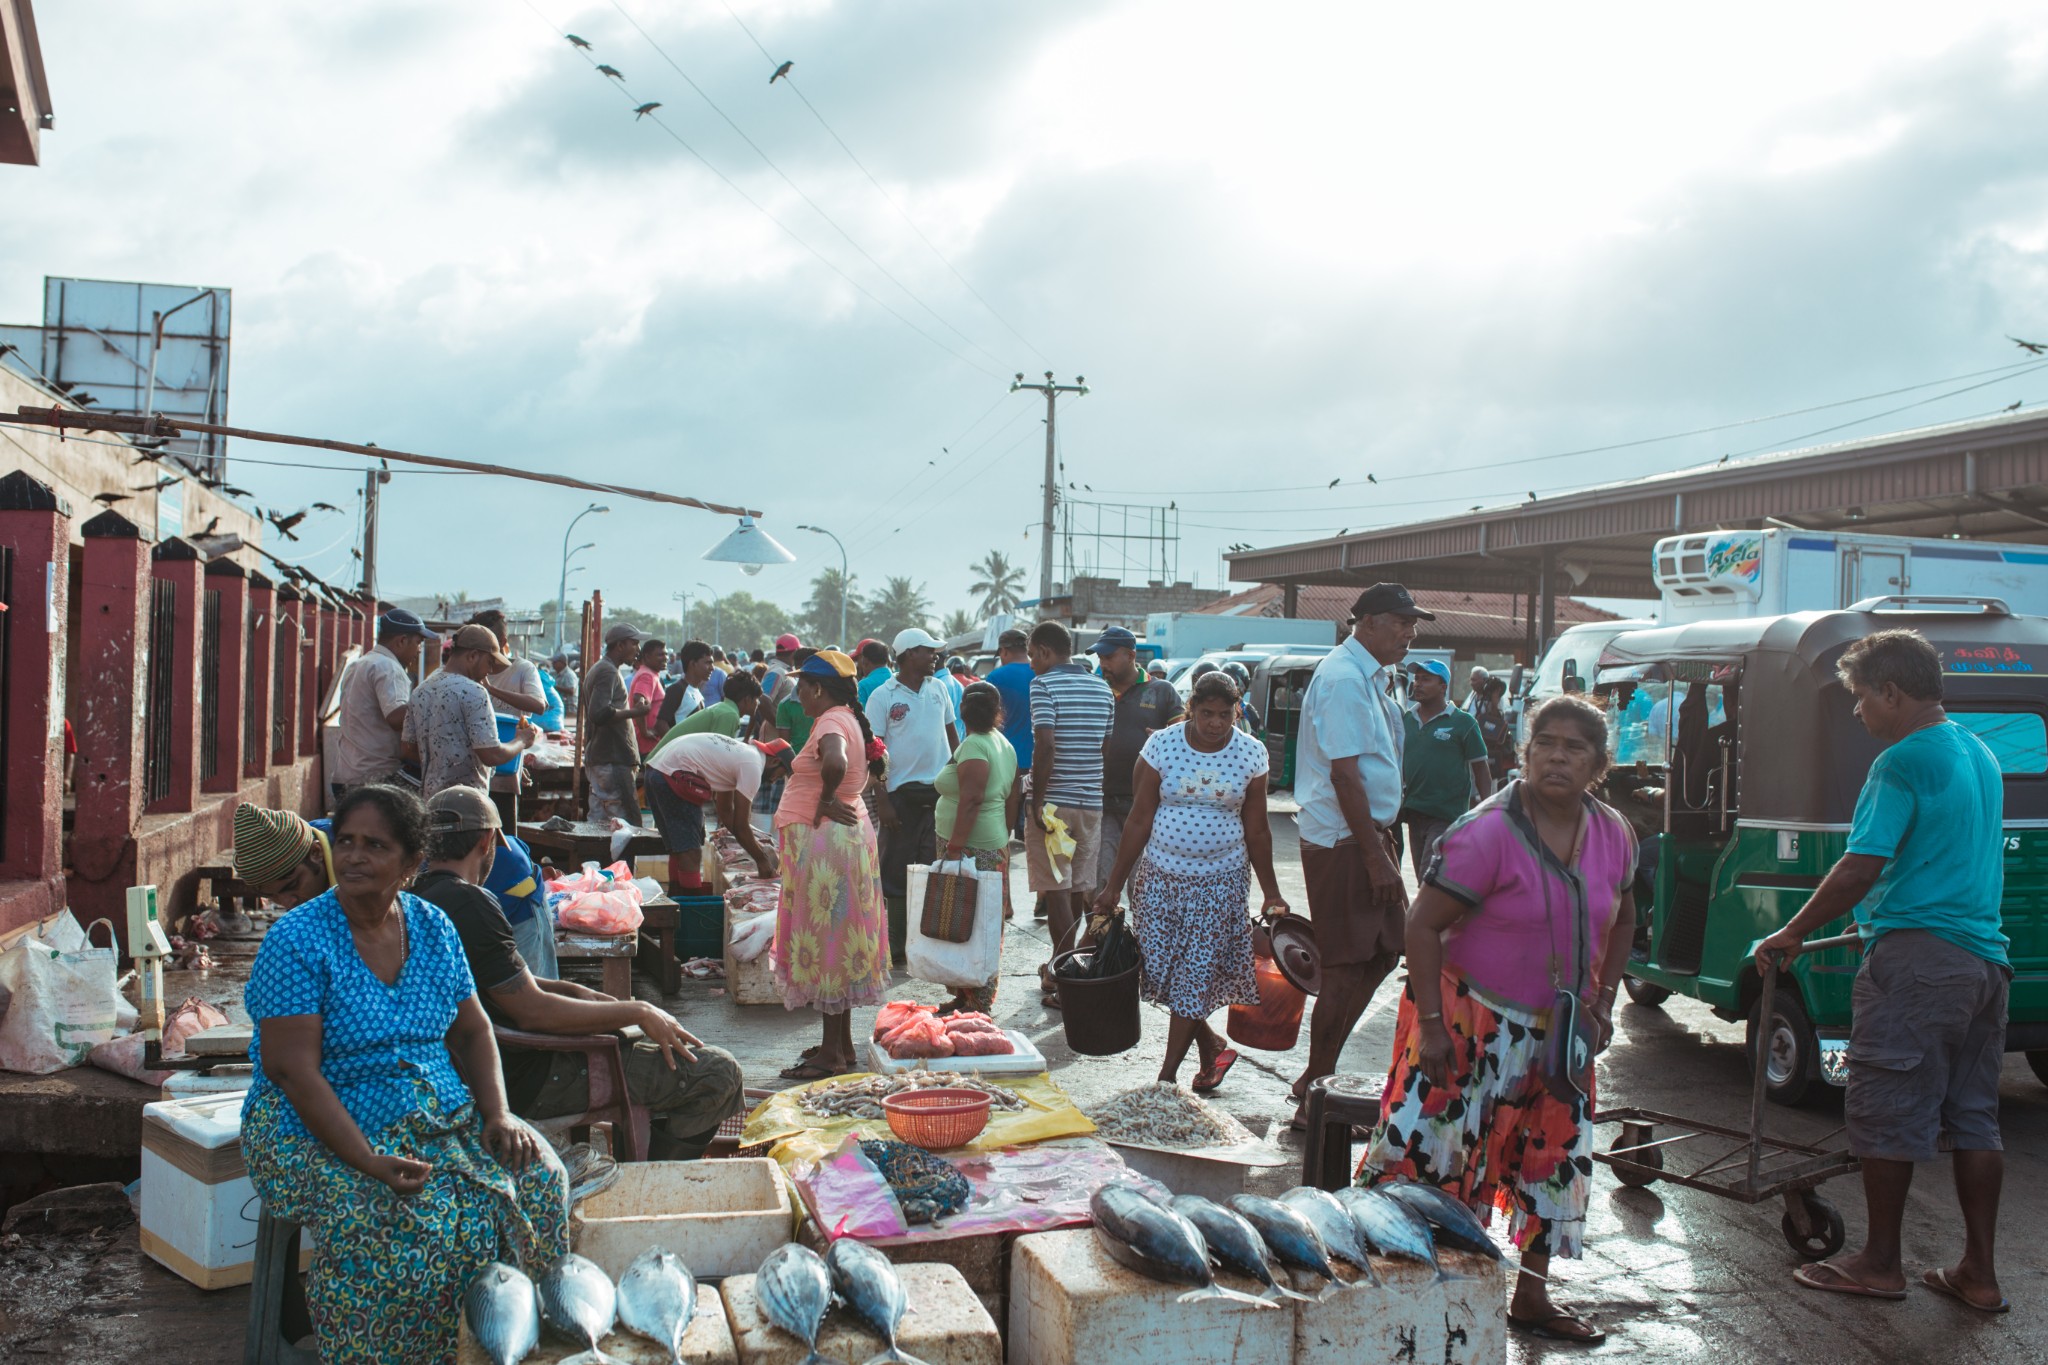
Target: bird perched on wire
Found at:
x=576, y=42
x=2013, y=406
x=611, y=71
x=109, y=499
x=780, y=72
x=644, y=110
x=284, y=524
x=1371, y=479
x=2030, y=347
x=1335, y=482
x=325, y=507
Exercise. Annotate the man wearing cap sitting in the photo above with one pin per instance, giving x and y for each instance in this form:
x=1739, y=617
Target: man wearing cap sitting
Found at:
x=1347, y=778
x=1443, y=763
x=611, y=754
x=914, y=716
x=450, y=722
x=694, y=770
x=688, y=1088
x=368, y=742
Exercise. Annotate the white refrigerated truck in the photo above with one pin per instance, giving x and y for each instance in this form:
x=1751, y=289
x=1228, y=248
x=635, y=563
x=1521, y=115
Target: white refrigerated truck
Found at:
x=1722, y=574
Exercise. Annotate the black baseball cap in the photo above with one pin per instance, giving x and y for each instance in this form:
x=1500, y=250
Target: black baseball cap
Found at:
x=1382, y=598
x=399, y=621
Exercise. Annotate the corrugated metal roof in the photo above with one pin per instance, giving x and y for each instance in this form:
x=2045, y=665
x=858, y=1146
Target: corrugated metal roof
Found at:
x=1463, y=618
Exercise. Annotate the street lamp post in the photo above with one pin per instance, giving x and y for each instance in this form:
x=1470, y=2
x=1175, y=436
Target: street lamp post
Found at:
x=717, y=613
x=562, y=593
x=682, y=616
x=843, y=586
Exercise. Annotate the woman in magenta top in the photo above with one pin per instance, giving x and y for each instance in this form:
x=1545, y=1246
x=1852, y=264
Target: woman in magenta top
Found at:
x=831, y=926
x=1528, y=895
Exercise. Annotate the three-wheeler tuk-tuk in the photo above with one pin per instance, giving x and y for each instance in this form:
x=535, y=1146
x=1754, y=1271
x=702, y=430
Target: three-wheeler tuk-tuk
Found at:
x=1739, y=759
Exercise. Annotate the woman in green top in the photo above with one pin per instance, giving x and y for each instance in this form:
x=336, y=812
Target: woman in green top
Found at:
x=978, y=796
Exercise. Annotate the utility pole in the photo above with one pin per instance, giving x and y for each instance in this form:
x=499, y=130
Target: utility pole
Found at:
x=372, y=479
x=1052, y=392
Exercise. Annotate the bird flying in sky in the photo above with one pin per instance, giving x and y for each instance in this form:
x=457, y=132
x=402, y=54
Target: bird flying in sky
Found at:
x=644, y=110
x=611, y=71
x=109, y=499
x=2030, y=347
x=574, y=41
x=325, y=507
x=284, y=524
x=780, y=72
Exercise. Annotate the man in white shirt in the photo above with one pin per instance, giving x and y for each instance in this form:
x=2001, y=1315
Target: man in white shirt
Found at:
x=691, y=772
x=369, y=746
x=913, y=714
x=515, y=689
x=1347, y=777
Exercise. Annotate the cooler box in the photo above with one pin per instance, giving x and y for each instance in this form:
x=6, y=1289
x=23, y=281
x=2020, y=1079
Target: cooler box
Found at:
x=199, y=1211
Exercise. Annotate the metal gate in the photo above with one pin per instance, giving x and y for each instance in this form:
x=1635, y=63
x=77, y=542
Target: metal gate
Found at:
x=253, y=758
x=209, y=684
x=157, y=717
x=6, y=671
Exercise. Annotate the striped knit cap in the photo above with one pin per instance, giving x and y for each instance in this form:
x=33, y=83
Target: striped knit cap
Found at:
x=269, y=843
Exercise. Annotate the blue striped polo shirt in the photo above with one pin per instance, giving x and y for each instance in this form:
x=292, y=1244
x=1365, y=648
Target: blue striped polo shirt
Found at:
x=1078, y=707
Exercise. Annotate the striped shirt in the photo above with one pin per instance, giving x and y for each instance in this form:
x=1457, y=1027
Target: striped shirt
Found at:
x=1077, y=707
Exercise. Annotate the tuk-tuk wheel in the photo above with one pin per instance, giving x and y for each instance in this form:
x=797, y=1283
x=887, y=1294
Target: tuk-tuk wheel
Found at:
x=1827, y=1235
x=1644, y=993
x=1790, y=1050
x=1635, y=1135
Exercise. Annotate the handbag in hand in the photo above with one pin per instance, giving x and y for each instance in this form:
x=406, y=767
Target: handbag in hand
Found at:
x=949, y=895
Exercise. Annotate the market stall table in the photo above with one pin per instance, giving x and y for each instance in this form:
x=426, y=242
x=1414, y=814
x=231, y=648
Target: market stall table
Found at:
x=573, y=843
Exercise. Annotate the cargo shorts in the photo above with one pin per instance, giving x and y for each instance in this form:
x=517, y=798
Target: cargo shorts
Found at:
x=1925, y=1046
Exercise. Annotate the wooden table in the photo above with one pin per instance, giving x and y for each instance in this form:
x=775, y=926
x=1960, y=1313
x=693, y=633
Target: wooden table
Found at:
x=586, y=841
x=614, y=951
x=658, y=942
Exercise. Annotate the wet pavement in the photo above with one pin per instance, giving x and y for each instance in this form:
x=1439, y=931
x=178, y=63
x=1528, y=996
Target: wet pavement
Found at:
x=1680, y=1274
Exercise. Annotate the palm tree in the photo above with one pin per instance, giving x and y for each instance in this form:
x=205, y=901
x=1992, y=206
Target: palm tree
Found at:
x=958, y=622
x=899, y=604
x=824, y=612
x=999, y=583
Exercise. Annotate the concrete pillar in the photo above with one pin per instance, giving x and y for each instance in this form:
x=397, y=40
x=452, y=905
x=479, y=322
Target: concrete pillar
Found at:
x=1547, y=590
x=1290, y=600
x=113, y=642
x=177, y=562
x=285, y=717
x=262, y=672
x=231, y=680
x=35, y=538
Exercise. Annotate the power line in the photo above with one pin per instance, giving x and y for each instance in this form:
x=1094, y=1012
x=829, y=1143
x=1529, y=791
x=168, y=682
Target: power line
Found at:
x=910, y=293
x=634, y=101
x=890, y=199
x=876, y=511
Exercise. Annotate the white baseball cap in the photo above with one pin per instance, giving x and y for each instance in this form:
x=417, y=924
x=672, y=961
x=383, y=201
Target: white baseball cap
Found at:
x=915, y=637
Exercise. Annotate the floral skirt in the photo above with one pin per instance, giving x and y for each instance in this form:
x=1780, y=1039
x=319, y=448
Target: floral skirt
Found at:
x=1196, y=936
x=389, y=1270
x=831, y=925
x=1495, y=1138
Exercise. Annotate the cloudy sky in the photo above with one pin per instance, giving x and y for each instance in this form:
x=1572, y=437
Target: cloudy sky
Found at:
x=1285, y=243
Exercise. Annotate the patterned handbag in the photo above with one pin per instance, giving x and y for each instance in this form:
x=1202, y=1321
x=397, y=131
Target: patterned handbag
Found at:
x=949, y=894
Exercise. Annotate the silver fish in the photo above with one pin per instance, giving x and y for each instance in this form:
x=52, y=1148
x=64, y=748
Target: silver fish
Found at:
x=795, y=1290
x=1334, y=1224
x=1456, y=1225
x=578, y=1300
x=1233, y=1243
x=867, y=1284
x=503, y=1312
x=1293, y=1238
x=657, y=1299
x=1157, y=1242
x=1390, y=1227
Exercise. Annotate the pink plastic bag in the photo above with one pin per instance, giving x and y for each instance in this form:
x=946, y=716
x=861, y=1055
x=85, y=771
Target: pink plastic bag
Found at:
x=599, y=902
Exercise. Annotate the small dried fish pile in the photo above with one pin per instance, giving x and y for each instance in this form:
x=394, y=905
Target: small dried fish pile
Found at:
x=863, y=1098
x=1162, y=1115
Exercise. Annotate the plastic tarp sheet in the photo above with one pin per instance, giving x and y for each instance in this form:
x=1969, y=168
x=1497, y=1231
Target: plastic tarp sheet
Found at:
x=793, y=1134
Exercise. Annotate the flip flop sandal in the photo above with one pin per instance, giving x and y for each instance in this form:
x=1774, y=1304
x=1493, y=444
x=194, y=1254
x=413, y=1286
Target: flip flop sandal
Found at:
x=1546, y=1328
x=1212, y=1075
x=1841, y=1282
x=1938, y=1281
x=806, y=1071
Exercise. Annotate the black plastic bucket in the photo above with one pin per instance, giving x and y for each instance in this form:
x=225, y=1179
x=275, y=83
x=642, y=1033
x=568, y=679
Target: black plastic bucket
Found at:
x=1100, y=1014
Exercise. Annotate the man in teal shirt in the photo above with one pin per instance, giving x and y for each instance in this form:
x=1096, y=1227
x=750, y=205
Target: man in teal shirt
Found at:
x=1925, y=875
x=1443, y=763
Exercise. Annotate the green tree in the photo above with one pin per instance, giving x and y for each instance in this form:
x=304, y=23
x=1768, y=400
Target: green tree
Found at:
x=958, y=622
x=998, y=584
x=822, y=614
x=899, y=605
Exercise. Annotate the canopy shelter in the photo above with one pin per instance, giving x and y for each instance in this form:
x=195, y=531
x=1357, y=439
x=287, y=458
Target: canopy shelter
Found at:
x=1980, y=480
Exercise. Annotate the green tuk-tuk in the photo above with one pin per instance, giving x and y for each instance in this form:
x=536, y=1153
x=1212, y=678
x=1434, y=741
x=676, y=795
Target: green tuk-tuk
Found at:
x=1279, y=682
x=1739, y=759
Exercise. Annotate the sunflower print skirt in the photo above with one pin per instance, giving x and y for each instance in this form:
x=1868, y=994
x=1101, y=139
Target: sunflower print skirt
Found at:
x=1496, y=1138
x=831, y=925
x=389, y=1270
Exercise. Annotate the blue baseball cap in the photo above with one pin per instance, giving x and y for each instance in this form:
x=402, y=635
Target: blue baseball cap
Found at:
x=1436, y=666
x=1112, y=640
x=399, y=621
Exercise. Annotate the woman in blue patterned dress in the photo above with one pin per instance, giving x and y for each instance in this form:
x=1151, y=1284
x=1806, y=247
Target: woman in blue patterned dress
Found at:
x=378, y=1115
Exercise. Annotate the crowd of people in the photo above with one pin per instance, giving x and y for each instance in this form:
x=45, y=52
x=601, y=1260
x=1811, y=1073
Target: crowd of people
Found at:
x=420, y=924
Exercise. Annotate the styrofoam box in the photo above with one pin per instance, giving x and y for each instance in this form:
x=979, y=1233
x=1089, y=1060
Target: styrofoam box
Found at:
x=1027, y=1060
x=199, y=1211
x=706, y=1341
x=721, y=1217
x=1408, y=1316
x=947, y=1325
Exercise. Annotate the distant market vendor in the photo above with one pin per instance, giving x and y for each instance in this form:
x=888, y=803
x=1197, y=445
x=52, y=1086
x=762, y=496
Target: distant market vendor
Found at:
x=693, y=771
x=377, y=1076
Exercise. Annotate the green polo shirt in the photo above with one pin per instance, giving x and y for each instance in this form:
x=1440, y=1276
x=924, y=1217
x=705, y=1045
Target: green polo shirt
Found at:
x=722, y=718
x=1436, y=763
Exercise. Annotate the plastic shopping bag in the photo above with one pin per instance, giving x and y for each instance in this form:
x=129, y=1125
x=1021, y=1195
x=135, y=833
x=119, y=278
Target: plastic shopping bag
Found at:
x=598, y=902
x=969, y=964
x=124, y=1055
x=60, y=1005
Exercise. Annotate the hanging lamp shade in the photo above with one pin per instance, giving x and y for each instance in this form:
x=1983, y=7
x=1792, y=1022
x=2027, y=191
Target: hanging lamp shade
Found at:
x=750, y=546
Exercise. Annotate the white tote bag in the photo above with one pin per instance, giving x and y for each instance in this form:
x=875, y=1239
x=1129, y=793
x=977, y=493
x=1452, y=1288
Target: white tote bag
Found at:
x=960, y=965
x=60, y=1005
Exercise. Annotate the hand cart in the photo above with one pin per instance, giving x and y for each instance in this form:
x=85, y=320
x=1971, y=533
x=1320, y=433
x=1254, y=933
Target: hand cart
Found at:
x=1757, y=1167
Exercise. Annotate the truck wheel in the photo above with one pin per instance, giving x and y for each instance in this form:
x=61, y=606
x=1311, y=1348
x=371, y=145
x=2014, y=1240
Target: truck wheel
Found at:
x=1790, y=1054
x=1644, y=993
x=2039, y=1061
